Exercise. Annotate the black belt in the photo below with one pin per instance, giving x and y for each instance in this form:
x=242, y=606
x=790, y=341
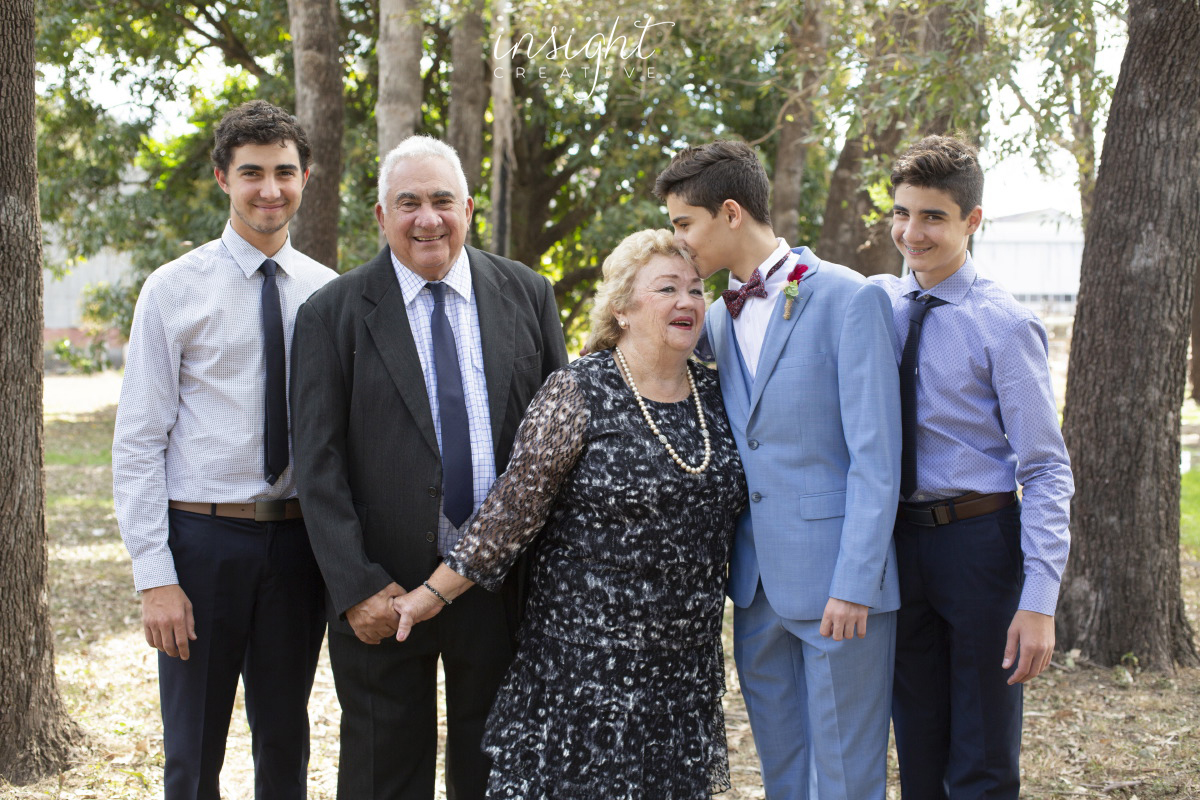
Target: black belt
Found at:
x=943, y=512
x=262, y=511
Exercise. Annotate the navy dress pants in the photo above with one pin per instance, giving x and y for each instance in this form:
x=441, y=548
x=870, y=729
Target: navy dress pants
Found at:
x=957, y=721
x=258, y=601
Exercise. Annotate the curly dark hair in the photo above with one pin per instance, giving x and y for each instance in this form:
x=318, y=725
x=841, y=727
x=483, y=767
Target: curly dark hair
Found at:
x=708, y=175
x=947, y=163
x=258, y=122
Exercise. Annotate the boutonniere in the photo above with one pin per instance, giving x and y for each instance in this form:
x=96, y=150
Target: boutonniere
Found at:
x=792, y=290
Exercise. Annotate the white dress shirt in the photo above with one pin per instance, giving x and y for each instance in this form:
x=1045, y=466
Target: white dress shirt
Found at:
x=463, y=314
x=190, y=418
x=751, y=325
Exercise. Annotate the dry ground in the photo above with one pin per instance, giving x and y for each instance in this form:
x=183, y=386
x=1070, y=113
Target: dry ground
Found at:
x=1089, y=732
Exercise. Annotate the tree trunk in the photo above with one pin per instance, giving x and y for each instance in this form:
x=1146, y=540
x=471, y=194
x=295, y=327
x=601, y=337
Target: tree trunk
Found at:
x=398, y=48
x=806, y=43
x=845, y=238
x=35, y=732
x=503, y=130
x=1128, y=357
x=469, y=95
x=316, y=34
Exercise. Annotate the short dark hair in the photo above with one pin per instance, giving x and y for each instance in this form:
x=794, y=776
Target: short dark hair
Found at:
x=948, y=163
x=708, y=175
x=258, y=122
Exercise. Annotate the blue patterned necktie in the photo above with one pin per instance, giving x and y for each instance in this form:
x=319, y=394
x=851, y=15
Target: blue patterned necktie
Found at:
x=908, y=392
x=458, y=495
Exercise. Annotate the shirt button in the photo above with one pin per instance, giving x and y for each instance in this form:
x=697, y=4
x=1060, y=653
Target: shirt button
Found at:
x=756, y=497
x=753, y=444
x=429, y=537
x=432, y=491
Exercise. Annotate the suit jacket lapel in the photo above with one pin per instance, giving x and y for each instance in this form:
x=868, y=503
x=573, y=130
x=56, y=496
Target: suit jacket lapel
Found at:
x=497, y=326
x=779, y=330
x=389, y=329
x=718, y=324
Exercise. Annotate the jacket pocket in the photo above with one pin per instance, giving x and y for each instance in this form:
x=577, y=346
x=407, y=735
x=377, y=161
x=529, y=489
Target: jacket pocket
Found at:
x=823, y=506
x=530, y=361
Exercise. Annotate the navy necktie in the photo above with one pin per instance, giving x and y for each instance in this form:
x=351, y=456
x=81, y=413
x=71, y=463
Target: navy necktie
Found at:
x=458, y=496
x=275, y=424
x=908, y=392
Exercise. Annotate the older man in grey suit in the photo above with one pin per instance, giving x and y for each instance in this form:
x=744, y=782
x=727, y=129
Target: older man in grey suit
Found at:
x=411, y=375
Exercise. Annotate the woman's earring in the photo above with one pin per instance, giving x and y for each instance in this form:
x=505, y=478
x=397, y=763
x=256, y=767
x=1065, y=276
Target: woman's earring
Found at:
x=622, y=323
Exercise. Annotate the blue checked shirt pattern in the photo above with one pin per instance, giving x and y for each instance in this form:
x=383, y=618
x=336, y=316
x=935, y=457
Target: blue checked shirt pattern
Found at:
x=463, y=314
x=986, y=415
x=190, y=418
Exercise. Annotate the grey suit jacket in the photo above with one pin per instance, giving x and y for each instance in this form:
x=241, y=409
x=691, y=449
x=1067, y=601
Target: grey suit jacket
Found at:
x=367, y=463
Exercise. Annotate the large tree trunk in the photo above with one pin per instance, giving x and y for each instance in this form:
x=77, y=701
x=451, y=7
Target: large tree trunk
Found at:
x=35, y=732
x=845, y=238
x=316, y=34
x=398, y=48
x=806, y=53
x=503, y=130
x=1128, y=357
x=469, y=96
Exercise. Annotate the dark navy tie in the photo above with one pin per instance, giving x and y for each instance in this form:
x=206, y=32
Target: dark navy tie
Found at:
x=275, y=425
x=458, y=494
x=908, y=392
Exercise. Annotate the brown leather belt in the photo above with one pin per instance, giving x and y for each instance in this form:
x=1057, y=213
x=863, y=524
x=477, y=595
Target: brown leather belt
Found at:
x=943, y=512
x=262, y=511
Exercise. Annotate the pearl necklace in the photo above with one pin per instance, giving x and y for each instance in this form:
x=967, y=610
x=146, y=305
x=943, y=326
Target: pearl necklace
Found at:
x=654, y=428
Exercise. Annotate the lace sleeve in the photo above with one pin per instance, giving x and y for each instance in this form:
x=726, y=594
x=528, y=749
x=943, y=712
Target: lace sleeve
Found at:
x=547, y=446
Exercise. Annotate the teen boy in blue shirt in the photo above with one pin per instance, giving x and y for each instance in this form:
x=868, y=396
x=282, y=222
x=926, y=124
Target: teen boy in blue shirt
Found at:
x=979, y=570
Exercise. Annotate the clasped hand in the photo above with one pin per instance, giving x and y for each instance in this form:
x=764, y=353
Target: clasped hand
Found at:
x=416, y=606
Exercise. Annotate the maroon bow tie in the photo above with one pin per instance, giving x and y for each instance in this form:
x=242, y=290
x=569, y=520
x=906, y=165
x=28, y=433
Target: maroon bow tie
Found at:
x=755, y=287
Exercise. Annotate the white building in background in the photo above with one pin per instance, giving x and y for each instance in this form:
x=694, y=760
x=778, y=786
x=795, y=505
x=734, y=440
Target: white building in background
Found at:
x=62, y=299
x=1036, y=256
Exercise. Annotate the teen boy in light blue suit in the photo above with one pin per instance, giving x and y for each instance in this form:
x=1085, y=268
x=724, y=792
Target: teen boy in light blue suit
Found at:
x=812, y=395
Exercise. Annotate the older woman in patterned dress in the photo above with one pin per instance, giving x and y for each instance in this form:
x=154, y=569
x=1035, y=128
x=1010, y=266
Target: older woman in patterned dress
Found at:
x=625, y=484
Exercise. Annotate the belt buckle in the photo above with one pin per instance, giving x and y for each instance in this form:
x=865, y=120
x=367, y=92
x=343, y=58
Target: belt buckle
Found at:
x=270, y=510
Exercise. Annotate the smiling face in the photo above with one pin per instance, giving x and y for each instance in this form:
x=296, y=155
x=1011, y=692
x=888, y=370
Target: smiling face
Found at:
x=265, y=184
x=931, y=233
x=426, y=217
x=666, y=308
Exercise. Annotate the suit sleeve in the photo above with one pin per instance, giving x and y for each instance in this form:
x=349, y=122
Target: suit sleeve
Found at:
x=320, y=416
x=869, y=397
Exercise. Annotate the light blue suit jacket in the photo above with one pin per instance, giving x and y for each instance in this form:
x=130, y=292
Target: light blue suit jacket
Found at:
x=819, y=436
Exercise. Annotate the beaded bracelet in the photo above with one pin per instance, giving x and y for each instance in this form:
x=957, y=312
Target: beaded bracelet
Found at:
x=437, y=594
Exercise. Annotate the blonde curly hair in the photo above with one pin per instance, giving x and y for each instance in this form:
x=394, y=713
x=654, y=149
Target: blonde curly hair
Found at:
x=620, y=272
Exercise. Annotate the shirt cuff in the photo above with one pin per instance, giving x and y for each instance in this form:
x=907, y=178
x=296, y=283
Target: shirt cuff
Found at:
x=152, y=571
x=1040, y=594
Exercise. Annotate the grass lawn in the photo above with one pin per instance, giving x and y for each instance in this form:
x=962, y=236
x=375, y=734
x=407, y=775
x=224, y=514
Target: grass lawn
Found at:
x=1090, y=732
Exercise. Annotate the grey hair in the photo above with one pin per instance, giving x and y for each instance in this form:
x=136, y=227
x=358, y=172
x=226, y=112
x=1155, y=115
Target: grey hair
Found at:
x=420, y=148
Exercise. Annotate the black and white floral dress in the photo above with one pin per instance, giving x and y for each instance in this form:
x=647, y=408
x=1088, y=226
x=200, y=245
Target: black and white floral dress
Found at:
x=616, y=688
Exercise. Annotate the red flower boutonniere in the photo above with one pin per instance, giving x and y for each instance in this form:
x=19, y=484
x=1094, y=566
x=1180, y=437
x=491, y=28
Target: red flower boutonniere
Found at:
x=792, y=290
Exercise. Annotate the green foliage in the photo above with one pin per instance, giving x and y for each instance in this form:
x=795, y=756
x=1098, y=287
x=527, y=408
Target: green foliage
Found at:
x=84, y=360
x=113, y=175
x=1189, y=505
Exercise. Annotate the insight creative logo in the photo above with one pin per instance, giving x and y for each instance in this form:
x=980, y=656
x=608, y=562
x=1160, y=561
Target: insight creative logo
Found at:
x=598, y=55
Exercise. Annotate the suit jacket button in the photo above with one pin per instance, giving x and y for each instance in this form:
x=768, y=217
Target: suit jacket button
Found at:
x=756, y=497
x=753, y=444
x=429, y=537
x=432, y=491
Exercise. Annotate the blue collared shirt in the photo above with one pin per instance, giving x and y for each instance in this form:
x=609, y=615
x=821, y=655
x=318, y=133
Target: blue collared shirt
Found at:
x=463, y=315
x=986, y=415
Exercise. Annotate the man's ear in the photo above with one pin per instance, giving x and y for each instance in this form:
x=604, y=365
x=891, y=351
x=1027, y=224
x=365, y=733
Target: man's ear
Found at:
x=974, y=219
x=219, y=174
x=304, y=181
x=733, y=214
